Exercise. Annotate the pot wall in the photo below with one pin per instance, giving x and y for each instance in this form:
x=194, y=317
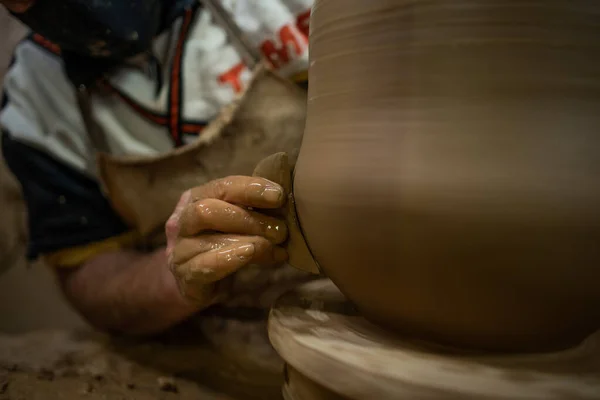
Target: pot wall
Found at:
x=448, y=180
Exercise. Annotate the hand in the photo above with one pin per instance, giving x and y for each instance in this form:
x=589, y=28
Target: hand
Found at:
x=213, y=233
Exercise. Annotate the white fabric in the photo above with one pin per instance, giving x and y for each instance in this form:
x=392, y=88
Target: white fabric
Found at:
x=43, y=112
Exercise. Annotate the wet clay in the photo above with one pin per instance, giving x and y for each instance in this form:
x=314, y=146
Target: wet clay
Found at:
x=449, y=176
x=278, y=168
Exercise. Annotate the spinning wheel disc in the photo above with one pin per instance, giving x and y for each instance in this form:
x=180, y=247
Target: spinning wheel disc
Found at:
x=334, y=353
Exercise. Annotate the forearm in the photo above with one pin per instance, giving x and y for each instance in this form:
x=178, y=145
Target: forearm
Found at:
x=127, y=291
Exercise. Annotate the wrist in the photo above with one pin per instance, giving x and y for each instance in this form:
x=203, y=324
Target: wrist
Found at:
x=182, y=306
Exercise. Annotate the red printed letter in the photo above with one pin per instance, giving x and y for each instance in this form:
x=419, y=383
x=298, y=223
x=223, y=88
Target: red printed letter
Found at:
x=288, y=36
x=232, y=77
x=302, y=22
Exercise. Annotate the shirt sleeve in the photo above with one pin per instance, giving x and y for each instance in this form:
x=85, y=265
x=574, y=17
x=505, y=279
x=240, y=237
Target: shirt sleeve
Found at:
x=66, y=209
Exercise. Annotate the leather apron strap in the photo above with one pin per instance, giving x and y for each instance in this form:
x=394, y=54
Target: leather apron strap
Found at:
x=248, y=52
x=94, y=132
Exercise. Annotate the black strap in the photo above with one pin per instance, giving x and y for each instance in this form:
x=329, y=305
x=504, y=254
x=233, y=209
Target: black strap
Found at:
x=248, y=52
x=94, y=131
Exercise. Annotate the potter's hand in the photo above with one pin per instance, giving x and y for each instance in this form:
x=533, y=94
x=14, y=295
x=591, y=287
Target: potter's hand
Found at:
x=213, y=233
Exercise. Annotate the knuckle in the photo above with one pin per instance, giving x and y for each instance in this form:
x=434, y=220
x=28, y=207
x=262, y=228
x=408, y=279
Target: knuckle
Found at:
x=185, y=275
x=215, y=214
x=205, y=210
x=202, y=274
x=176, y=271
x=187, y=280
x=262, y=245
x=221, y=187
x=255, y=221
x=239, y=185
x=204, y=203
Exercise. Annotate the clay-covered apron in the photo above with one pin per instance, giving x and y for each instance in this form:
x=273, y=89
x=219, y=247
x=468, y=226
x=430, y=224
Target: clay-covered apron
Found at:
x=266, y=122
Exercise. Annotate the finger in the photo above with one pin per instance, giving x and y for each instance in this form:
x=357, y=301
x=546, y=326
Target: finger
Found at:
x=243, y=190
x=188, y=247
x=212, y=266
x=220, y=216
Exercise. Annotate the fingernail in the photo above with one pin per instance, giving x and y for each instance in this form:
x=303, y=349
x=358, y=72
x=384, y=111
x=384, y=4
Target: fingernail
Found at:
x=272, y=194
x=245, y=251
x=280, y=254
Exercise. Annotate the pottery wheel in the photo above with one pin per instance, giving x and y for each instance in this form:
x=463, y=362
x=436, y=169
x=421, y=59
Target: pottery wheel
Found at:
x=332, y=352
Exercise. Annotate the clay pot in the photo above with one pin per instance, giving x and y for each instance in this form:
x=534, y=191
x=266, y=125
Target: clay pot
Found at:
x=449, y=176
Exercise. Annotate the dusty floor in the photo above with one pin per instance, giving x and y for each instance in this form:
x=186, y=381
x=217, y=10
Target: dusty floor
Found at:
x=21, y=386
x=30, y=300
x=50, y=365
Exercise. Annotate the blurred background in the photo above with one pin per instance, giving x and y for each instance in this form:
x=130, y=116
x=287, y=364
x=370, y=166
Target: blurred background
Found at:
x=29, y=298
